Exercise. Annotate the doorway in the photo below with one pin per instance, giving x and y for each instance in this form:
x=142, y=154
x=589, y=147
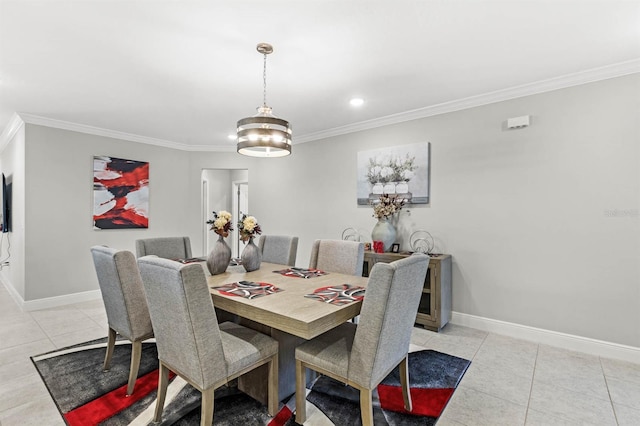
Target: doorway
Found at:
x=220, y=192
x=240, y=190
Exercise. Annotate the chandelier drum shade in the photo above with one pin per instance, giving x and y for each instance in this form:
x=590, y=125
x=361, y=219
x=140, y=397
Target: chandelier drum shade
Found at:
x=264, y=135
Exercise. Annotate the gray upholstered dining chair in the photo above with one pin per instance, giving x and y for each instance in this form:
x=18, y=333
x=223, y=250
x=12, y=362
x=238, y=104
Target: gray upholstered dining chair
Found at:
x=166, y=247
x=344, y=257
x=280, y=249
x=192, y=344
x=125, y=303
x=363, y=355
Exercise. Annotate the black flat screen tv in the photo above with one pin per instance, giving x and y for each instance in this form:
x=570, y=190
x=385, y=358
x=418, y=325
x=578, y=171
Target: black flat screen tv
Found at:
x=6, y=205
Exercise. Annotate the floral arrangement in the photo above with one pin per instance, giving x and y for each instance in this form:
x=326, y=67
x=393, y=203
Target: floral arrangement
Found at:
x=248, y=227
x=391, y=170
x=221, y=223
x=387, y=206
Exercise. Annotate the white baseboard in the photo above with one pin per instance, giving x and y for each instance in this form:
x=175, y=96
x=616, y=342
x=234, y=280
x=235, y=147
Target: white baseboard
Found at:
x=50, y=302
x=67, y=299
x=548, y=337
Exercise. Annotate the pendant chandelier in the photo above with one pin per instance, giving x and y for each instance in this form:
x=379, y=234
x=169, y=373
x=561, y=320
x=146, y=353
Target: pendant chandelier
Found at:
x=264, y=135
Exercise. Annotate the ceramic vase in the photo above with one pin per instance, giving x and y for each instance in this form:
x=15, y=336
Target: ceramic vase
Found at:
x=219, y=258
x=251, y=256
x=390, y=188
x=402, y=187
x=377, y=188
x=384, y=231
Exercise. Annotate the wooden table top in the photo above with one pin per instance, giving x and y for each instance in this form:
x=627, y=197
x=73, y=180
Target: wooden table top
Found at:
x=288, y=310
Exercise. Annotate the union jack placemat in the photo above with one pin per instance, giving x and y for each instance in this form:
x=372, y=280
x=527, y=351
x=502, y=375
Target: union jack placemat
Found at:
x=301, y=272
x=338, y=294
x=247, y=289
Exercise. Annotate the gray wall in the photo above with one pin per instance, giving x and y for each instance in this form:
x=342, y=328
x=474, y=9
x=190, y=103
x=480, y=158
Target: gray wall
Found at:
x=59, y=206
x=542, y=222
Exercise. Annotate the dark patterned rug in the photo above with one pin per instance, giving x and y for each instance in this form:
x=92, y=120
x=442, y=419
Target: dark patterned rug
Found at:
x=85, y=395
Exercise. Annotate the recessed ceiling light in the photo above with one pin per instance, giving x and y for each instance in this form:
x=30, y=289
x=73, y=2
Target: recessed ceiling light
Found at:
x=356, y=102
x=232, y=137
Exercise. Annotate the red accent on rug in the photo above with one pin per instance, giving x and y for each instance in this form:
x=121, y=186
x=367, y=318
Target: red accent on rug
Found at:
x=425, y=401
x=94, y=412
x=282, y=417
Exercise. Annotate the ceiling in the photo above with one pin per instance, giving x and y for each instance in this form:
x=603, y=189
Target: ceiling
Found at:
x=183, y=72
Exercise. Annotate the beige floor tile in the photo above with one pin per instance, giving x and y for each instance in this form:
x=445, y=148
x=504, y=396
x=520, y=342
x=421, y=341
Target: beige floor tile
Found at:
x=21, y=333
x=79, y=336
x=474, y=408
x=624, y=393
x=21, y=390
x=571, y=370
x=420, y=336
x=460, y=331
x=537, y=418
x=25, y=351
x=621, y=370
x=496, y=381
x=563, y=403
x=91, y=308
x=40, y=411
x=513, y=355
x=16, y=369
x=62, y=320
x=446, y=421
x=453, y=344
x=101, y=321
x=627, y=416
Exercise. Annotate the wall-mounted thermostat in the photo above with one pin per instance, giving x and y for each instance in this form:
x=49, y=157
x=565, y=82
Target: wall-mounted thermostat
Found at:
x=518, y=122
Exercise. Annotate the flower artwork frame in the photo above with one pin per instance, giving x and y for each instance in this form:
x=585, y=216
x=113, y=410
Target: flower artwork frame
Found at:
x=402, y=170
x=120, y=193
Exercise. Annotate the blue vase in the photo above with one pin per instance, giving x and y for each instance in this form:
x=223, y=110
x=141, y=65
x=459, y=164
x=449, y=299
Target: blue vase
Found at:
x=385, y=232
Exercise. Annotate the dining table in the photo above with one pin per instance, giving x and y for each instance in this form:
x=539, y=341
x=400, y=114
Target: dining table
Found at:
x=291, y=305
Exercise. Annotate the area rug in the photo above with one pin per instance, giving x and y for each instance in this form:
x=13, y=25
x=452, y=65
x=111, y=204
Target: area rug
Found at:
x=85, y=395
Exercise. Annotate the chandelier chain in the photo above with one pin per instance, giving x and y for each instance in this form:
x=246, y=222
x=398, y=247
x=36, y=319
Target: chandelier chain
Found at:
x=264, y=81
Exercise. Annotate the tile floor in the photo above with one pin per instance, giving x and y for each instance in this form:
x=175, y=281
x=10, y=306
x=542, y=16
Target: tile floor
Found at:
x=510, y=381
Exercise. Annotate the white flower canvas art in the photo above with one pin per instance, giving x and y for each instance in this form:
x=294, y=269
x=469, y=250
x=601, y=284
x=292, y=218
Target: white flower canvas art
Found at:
x=401, y=170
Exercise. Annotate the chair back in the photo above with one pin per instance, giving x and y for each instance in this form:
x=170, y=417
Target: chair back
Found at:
x=184, y=320
x=386, y=319
x=122, y=292
x=344, y=257
x=281, y=249
x=166, y=247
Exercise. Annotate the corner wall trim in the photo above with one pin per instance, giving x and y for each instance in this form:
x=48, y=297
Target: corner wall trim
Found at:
x=549, y=337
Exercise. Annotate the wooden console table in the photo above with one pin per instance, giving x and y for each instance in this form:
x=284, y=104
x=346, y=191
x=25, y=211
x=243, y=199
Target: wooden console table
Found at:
x=434, y=311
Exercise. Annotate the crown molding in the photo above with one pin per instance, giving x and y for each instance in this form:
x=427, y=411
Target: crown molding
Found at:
x=14, y=125
x=98, y=131
x=556, y=83
x=542, y=86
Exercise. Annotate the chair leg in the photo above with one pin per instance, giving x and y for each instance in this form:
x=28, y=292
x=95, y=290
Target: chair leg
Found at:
x=366, y=407
x=404, y=382
x=272, y=406
x=111, y=342
x=136, y=352
x=206, y=413
x=163, y=382
x=301, y=393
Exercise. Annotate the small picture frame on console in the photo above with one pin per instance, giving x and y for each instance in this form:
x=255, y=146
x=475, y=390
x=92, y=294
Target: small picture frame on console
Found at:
x=395, y=248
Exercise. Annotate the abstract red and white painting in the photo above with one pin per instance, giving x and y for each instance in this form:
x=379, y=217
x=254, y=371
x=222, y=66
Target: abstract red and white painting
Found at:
x=120, y=193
